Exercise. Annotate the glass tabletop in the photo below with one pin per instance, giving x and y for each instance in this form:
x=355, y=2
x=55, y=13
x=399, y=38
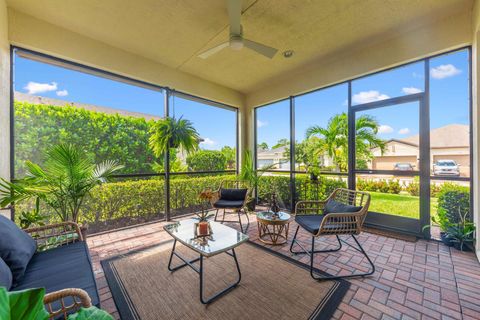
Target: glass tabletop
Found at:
x=268, y=215
x=222, y=238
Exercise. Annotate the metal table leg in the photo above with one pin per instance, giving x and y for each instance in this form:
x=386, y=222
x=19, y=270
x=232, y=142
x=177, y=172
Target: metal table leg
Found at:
x=200, y=271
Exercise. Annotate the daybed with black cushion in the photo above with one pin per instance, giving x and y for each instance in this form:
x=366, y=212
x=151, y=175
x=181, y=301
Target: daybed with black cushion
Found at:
x=54, y=257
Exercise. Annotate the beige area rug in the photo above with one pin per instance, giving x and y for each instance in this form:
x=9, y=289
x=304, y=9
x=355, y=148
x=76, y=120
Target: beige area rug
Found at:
x=273, y=286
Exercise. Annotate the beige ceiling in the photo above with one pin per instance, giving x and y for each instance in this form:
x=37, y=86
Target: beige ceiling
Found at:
x=173, y=32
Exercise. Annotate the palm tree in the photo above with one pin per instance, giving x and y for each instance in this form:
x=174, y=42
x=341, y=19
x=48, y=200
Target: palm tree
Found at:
x=172, y=133
x=63, y=182
x=334, y=138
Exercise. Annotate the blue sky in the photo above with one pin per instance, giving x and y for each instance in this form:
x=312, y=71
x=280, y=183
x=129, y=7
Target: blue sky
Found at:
x=448, y=101
x=216, y=126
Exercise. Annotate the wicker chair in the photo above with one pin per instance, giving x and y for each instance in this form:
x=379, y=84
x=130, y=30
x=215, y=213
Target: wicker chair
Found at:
x=64, y=302
x=237, y=206
x=310, y=216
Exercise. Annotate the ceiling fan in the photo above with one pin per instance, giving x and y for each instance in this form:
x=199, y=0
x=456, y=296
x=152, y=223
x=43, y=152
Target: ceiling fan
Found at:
x=237, y=41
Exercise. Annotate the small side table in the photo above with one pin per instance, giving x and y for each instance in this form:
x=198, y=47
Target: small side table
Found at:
x=273, y=230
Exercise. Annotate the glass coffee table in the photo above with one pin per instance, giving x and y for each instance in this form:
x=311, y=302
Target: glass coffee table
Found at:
x=273, y=229
x=222, y=239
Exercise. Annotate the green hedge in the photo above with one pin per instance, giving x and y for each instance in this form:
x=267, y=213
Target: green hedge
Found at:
x=144, y=199
x=455, y=199
x=305, y=189
x=105, y=136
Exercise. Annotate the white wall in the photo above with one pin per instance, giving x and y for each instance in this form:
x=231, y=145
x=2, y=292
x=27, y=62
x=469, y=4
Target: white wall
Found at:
x=4, y=96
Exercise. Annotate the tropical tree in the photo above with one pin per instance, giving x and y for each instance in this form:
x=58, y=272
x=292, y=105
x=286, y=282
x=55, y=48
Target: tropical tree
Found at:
x=63, y=182
x=231, y=156
x=263, y=146
x=174, y=133
x=281, y=143
x=334, y=138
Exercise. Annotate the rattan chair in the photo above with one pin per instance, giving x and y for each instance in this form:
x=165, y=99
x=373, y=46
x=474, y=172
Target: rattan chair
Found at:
x=237, y=206
x=61, y=303
x=311, y=217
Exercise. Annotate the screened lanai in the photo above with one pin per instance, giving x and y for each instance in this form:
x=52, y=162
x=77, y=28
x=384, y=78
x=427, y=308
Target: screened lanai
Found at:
x=229, y=159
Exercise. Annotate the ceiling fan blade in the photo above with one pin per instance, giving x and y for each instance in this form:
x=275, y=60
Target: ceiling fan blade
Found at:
x=234, y=13
x=212, y=51
x=267, y=51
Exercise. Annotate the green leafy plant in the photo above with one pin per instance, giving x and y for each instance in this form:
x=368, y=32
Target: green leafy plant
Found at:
x=441, y=220
x=173, y=133
x=28, y=218
x=91, y=313
x=455, y=200
x=63, y=182
x=335, y=138
x=24, y=304
x=461, y=232
x=28, y=305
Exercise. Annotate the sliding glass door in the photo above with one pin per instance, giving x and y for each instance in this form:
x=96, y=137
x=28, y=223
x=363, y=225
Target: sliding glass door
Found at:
x=391, y=161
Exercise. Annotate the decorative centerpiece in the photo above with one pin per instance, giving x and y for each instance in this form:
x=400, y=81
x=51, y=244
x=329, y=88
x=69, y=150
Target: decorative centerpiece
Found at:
x=274, y=207
x=202, y=227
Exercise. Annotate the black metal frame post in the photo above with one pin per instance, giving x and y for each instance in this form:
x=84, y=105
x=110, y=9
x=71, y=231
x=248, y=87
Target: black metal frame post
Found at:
x=200, y=272
x=166, y=164
x=293, y=190
x=424, y=141
x=351, y=140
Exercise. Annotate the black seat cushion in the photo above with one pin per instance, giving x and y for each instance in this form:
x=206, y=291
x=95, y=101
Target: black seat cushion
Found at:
x=16, y=247
x=233, y=194
x=63, y=267
x=5, y=275
x=333, y=206
x=310, y=222
x=228, y=204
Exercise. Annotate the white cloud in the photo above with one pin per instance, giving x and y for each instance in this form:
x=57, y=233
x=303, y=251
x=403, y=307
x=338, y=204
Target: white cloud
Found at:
x=404, y=131
x=261, y=123
x=35, y=87
x=368, y=96
x=444, y=71
x=411, y=90
x=384, y=128
x=417, y=75
x=62, y=93
x=208, y=142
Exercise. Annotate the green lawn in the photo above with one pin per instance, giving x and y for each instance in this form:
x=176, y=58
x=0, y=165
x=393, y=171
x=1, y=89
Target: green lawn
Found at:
x=399, y=204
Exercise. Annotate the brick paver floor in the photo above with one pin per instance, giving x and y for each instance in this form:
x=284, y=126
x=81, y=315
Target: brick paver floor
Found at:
x=421, y=280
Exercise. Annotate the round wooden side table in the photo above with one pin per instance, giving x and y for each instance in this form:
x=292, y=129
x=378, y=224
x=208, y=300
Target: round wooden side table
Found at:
x=273, y=230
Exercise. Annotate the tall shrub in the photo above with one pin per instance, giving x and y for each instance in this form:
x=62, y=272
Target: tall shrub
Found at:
x=105, y=136
x=207, y=160
x=454, y=199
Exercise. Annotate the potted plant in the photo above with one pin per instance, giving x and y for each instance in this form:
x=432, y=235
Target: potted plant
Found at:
x=251, y=176
x=443, y=222
x=202, y=226
x=28, y=304
x=174, y=133
x=63, y=182
x=461, y=233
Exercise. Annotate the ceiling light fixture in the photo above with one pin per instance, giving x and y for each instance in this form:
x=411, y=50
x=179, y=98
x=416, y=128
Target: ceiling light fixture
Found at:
x=288, y=53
